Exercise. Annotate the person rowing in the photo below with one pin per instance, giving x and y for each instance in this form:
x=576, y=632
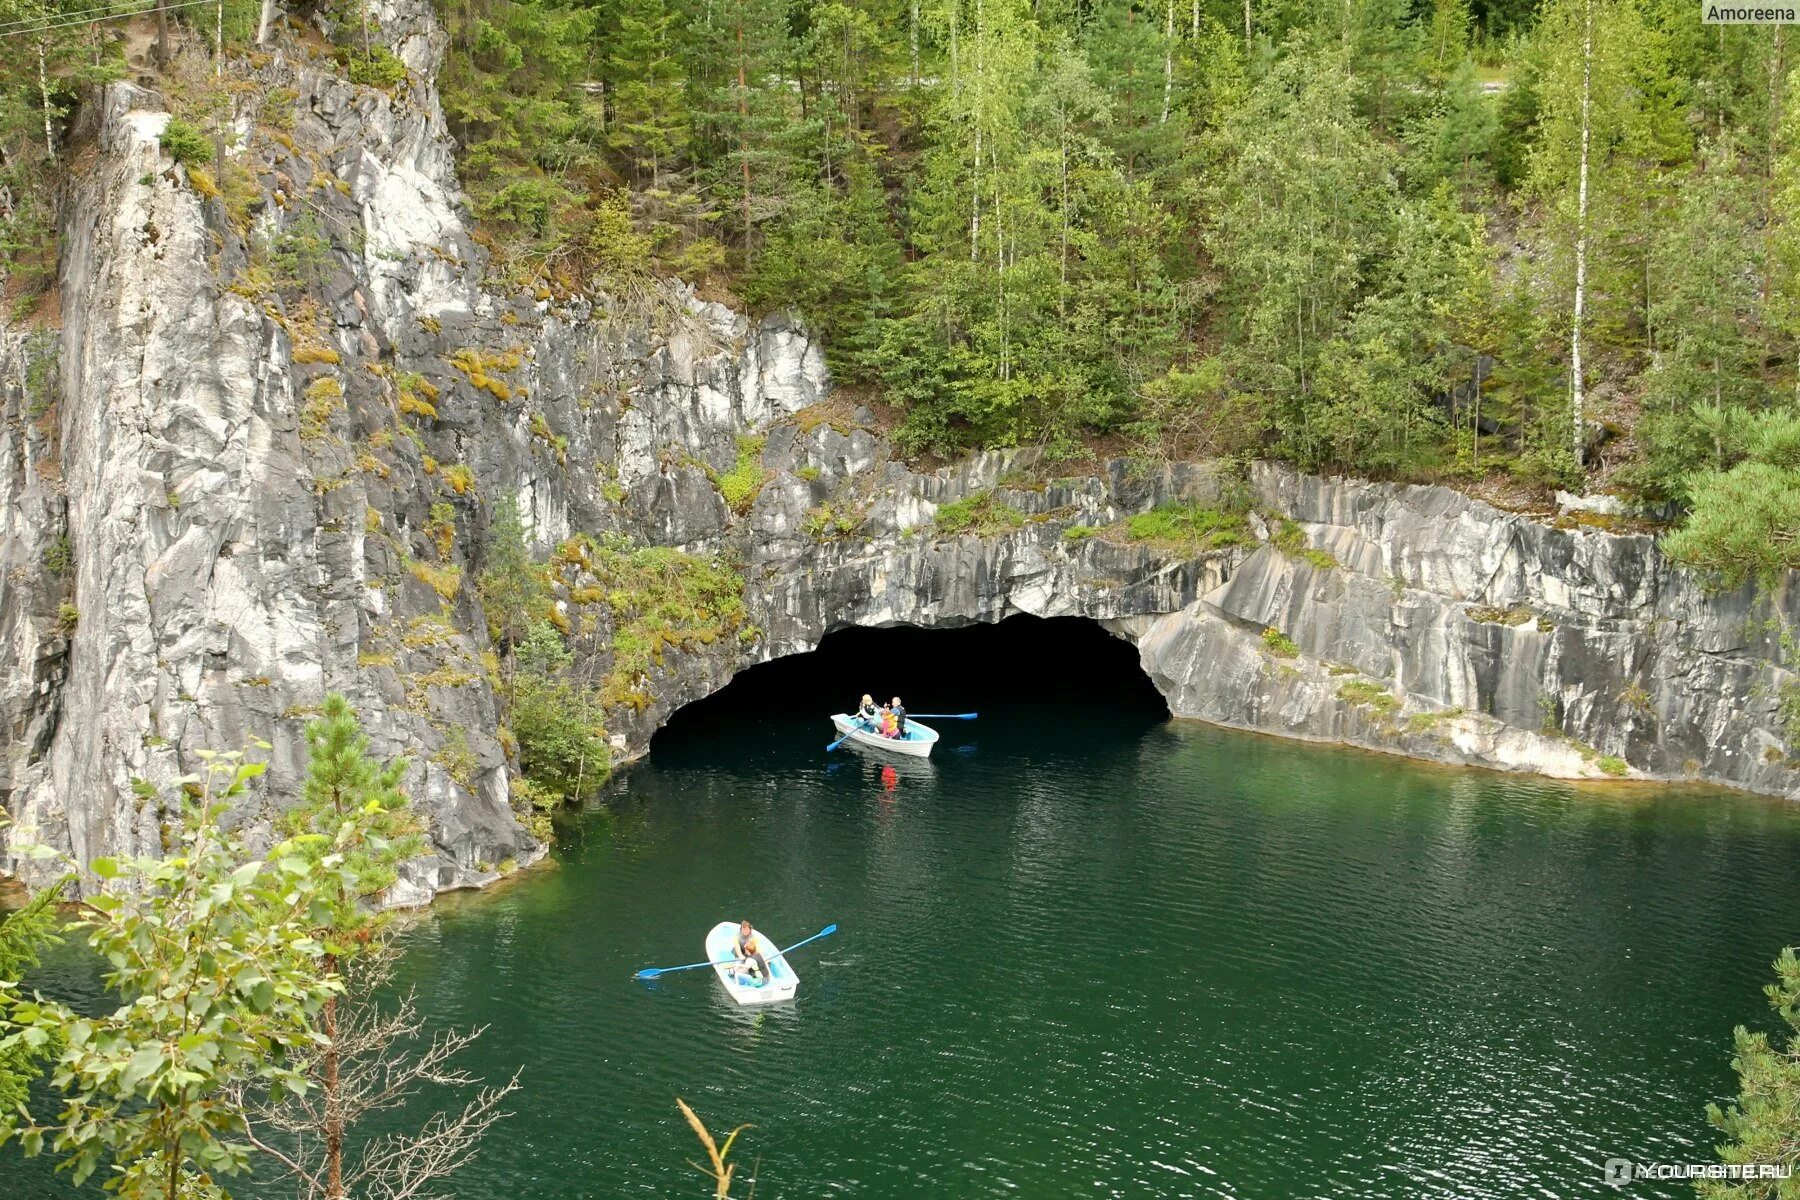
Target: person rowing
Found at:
x=898, y=713
x=750, y=953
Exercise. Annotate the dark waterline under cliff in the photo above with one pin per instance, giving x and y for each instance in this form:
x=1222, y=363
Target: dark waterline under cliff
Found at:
x=1087, y=950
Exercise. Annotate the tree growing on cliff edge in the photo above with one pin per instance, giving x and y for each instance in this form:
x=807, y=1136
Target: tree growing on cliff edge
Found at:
x=370, y=1056
x=1763, y=1126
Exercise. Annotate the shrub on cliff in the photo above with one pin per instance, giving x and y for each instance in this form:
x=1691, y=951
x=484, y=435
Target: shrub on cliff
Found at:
x=186, y=143
x=562, y=747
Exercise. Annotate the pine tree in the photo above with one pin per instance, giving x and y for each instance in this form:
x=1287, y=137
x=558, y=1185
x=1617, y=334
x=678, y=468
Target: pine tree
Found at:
x=354, y=819
x=1303, y=200
x=1760, y=1126
x=649, y=122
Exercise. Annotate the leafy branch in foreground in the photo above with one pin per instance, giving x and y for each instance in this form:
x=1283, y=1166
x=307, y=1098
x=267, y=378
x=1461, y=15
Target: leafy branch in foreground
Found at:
x=22, y=935
x=214, y=959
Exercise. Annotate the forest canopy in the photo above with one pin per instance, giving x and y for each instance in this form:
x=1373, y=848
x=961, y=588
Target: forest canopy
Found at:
x=1371, y=235
x=1511, y=244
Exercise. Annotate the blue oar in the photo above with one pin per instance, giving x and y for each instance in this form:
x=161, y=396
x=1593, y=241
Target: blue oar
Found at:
x=653, y=972
x=859, y=723
x=825, y=932
x=943, y=716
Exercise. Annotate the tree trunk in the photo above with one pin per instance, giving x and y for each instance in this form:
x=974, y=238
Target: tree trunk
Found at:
x=1478, y=410
x=913, y=35
x=262, y=22
x=975, y=203
x=744, y=134
x=332, y=1086
x=44, y=97
x=1246, y=31
x=162, y=33
x=1131, y=99
x=1577, y=396
x=1168, y=60
x=1776, y=70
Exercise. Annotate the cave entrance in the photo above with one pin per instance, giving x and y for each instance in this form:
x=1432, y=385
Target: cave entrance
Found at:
x=1025, y=668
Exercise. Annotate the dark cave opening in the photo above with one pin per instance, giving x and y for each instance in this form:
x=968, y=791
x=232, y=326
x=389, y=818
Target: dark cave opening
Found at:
x=1069, y=665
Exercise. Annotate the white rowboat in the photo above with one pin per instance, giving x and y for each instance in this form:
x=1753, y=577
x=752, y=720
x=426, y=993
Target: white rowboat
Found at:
x=721, y=950
x=917, y=743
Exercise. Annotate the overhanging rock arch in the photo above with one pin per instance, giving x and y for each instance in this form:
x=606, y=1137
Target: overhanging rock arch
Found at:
x=1046, y=667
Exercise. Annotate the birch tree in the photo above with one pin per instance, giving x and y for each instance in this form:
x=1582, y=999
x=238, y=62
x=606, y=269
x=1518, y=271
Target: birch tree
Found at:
x=1592, y=149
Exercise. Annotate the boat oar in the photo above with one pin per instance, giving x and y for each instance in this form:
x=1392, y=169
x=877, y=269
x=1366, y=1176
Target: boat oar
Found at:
x=943, y=716
x=858, y=724
x=825, y=932
x=653, y=972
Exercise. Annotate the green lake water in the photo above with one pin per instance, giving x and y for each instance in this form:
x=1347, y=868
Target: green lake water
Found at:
x=1114, y=955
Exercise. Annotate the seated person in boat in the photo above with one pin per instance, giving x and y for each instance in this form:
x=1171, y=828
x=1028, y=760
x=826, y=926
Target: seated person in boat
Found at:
x=750, y=953
x=867, y=713
x=897, y=718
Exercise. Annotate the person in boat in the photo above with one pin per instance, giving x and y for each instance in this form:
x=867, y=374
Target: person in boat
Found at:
x=898, y=715
x=750, y=953
x=868, y=713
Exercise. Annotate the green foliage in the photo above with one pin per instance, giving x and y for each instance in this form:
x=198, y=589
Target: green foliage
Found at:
x=661, y=599
x=186, y=143
x=1288, y=537
x=1743, y=527
x=1190, y=526
x=23, y=933
x=213, y=958
x=59, y=556
x=982, y=514
x=1279, y=644
x=352, y=810
x=829, y=522
x=1366, y=694
x=514, y=590
x=1759, y=1127
x=380, y=68
x=740, y=485
x=562, y=747
x=1031, y=225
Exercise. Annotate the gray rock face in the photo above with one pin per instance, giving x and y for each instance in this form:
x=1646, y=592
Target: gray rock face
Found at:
x=224, y=494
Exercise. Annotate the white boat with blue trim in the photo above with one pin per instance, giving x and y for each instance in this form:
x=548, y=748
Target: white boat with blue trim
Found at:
x=721, y=950
x=917, y=742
